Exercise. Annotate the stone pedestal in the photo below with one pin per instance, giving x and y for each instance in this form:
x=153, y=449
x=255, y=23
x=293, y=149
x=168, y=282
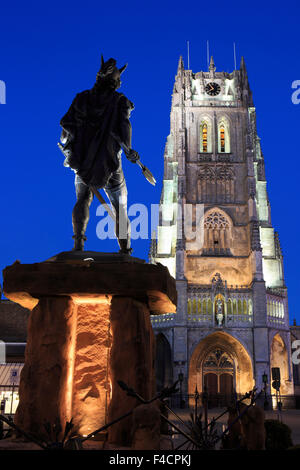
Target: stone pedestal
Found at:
x=89, y=327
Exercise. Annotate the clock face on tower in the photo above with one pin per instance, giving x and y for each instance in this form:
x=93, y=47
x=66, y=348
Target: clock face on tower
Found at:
x=212, y=89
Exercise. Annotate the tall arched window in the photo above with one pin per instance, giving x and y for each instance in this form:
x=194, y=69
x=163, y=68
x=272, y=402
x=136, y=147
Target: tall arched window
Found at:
x=163, y=362
x=223, y=136
x=205, y=136
x=217, y=235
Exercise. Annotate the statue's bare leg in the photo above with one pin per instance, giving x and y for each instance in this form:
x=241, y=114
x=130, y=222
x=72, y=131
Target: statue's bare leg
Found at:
x=116, y=192
x=81, y=213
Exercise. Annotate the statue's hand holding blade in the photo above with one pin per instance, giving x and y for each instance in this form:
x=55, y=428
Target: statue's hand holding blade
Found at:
x=133, y=156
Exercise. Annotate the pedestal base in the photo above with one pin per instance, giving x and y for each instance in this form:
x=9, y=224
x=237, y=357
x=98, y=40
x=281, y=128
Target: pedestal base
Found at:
x=89, y=327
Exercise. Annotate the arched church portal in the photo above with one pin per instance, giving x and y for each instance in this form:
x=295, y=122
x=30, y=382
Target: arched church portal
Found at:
x=163, y=362
x=279, y=358
x=222, y=365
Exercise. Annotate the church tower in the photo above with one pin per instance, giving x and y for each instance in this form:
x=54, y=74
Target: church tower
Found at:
x=232, y=322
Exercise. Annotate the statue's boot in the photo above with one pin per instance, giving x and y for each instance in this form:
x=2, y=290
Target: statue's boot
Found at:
x=78, y=242
x=116, y=192
x=123, y=233
x=125, y=247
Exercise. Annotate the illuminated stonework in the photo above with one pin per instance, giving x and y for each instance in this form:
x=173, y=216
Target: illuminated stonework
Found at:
x=232, y=288
x=89, y=328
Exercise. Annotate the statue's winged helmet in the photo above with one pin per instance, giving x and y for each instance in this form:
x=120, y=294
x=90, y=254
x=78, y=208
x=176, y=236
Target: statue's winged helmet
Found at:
x=109, y=69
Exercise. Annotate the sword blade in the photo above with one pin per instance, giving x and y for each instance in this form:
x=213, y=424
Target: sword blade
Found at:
x=103, y=202
x=147, y=173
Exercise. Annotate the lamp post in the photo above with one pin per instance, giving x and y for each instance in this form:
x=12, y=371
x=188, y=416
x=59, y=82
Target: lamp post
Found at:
x=265, y=382
x=180, y=378
x=196, y=396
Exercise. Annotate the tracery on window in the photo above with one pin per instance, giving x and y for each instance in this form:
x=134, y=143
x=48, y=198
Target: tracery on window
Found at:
x=216, y=183
x=218, y=359
x=216, y=232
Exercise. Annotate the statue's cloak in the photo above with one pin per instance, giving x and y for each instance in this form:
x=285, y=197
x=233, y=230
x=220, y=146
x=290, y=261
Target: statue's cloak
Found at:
x=89, y=122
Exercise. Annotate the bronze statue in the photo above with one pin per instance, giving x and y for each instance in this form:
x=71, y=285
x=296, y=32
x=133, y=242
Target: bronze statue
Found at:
x=94, y=131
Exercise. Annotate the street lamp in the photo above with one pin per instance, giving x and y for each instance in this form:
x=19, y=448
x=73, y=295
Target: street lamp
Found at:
x=265, y=382
x=196, y=396
x=180, y=378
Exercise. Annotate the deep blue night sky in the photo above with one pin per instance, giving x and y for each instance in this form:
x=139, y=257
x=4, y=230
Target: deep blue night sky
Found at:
x=51, y=52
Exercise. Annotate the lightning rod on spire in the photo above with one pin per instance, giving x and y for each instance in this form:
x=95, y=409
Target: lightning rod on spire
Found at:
x=188, y=54
x=207, y=52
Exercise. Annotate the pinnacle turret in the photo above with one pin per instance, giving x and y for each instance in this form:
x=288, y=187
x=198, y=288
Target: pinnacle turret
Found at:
x=243, y=70
x=212, y=67
x=212, y=64
x=243, y=65
x=180, y=68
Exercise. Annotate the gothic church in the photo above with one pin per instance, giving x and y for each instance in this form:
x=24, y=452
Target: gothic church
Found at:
x=232, y=322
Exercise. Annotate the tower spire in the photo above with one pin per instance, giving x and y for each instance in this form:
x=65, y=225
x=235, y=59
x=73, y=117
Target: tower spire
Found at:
x=243, y=70
x=247, y=94
x=243, y=65
x=180, y=68
x=212, y=67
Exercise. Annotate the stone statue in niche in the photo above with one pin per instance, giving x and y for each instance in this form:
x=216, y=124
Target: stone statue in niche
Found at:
x=219, y=312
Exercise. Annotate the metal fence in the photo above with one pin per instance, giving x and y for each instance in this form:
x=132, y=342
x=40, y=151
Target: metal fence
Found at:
x=218, y=400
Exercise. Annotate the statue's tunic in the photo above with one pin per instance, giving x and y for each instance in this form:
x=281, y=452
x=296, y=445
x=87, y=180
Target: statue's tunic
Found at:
x=92, y=117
